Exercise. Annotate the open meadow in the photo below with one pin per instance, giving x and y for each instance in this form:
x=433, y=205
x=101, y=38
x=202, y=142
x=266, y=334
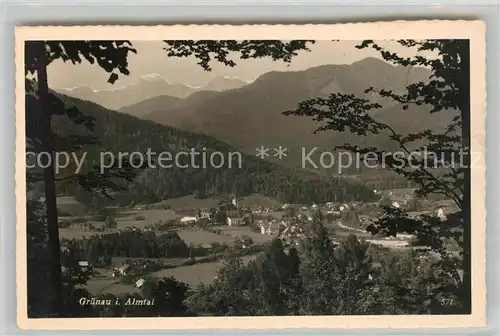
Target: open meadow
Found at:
x=195, y=274
x=198, y=236
x=109, y=285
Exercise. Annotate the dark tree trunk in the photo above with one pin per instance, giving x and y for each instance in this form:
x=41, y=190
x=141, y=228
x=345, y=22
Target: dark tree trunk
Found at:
x=55, y=293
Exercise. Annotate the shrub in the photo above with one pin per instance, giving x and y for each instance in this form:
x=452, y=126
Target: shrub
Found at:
x=247, y=240
x=99, y=218
x=110, y=223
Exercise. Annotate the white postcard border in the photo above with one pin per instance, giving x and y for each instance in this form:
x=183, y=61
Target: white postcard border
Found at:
x=429, y=29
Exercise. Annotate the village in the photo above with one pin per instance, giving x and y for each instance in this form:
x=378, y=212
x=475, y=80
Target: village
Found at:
x=229, y=225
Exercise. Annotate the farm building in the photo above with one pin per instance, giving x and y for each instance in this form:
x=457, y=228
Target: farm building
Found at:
x=83, y=263
x=186, y=220
x=204, y=214
x=439, y=212
x=139, y=283
x=123, y=269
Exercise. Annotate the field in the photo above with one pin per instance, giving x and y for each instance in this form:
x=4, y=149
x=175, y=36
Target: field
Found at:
x=198, y=273
x=150, y=217
x=174, y=208
x=196, y=237
x=236, y=231
x=273, y=214
x=401, y=192
x=109, y=285
x=185, y=203
x=193, y=275
x=124, y=219
x=229, y=233
x=344, y=231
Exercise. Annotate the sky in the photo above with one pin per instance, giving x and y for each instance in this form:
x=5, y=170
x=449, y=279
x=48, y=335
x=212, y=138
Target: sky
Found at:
x=152, y=59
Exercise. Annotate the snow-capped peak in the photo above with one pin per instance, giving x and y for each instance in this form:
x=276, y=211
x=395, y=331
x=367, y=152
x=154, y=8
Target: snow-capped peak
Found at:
x=78, y=88
x=234, y=79
x=153, y=77
x=196, y=87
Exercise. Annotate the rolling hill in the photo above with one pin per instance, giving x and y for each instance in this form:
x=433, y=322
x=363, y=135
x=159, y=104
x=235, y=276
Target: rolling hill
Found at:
x=118, y=132
x=148, y=86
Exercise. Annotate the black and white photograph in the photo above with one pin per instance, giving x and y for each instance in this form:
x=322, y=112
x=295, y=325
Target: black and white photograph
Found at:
x=286, y=177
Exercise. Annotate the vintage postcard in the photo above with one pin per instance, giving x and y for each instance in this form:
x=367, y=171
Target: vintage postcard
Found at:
x=251, y=177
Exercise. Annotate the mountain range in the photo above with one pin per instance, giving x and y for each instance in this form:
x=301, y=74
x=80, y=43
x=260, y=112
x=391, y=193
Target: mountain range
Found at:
x=148, y=86
x=251, y=116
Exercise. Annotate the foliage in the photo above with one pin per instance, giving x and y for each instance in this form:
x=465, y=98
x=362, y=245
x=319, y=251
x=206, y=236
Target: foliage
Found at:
x=41, y=107
x=36, y=239
x=436, y=161
x=321, y=276
x=130, y=243
x=110, y=223
x=350, y=277
x=206, y=51
x=169, y=295
x=111, y=56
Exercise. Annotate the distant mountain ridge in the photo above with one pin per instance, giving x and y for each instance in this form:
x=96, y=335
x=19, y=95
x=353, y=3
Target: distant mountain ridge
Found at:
x=148, y=86
x=223, y=83
x=251, y=116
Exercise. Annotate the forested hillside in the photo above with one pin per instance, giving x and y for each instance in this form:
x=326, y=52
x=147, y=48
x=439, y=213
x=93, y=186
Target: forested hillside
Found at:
x=117, y=132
